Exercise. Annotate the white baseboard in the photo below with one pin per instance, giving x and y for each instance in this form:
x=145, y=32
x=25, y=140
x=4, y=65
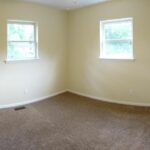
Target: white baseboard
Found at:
x=31, y=101
x=77, y=93
x=110, y=100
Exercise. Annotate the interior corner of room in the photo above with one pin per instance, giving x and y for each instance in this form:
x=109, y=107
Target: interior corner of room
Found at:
x=69, y=50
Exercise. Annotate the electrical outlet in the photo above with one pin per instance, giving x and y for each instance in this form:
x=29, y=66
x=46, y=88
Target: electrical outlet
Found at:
x=26, y=91
x=131, y=92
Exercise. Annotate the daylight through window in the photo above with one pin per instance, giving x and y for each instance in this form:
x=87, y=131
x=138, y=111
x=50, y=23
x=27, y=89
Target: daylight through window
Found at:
x=21, y=40
x=116, y=39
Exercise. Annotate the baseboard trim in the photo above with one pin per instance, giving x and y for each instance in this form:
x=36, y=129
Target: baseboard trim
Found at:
x=31, y=101
x=110, y=100
x=77, y=93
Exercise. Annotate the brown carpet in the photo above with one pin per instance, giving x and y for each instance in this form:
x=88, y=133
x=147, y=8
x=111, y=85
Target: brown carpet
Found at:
x=71, y=122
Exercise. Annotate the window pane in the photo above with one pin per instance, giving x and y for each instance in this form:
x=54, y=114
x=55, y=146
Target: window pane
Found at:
x=20, y=32
x=118, y=30
x=21, y=50
x=117, y=49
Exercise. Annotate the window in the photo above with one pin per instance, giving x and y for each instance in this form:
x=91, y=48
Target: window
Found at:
x=116, y=39
x=21, y=40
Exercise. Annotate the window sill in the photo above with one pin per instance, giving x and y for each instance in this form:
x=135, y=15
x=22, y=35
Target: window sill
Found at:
x=117, y=59
x=8, y=61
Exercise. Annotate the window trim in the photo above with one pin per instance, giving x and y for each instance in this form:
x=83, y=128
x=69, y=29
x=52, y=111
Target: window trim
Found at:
x=102, y=23
x=35, y=40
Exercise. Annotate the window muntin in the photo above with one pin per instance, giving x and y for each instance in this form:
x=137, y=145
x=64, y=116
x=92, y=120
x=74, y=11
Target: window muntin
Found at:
x=21, y=40
x=116, y=39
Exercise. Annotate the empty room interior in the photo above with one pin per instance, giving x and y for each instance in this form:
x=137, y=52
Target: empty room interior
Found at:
x=74, y=75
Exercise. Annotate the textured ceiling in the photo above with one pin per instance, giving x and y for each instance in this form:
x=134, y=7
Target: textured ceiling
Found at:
x=67, y=4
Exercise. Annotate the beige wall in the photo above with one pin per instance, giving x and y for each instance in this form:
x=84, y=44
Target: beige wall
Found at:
x=43, y=77
x=110, y=79
x=69, y=53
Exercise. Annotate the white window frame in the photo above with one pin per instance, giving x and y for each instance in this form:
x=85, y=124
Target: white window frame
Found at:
x=102, y=38
x=35, y=39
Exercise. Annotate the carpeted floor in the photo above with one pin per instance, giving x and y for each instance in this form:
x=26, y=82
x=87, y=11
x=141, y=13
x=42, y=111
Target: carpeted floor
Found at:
x=71, y=122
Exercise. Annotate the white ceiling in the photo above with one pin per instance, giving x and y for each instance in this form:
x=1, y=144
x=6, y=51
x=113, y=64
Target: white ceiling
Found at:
x=67, y=4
